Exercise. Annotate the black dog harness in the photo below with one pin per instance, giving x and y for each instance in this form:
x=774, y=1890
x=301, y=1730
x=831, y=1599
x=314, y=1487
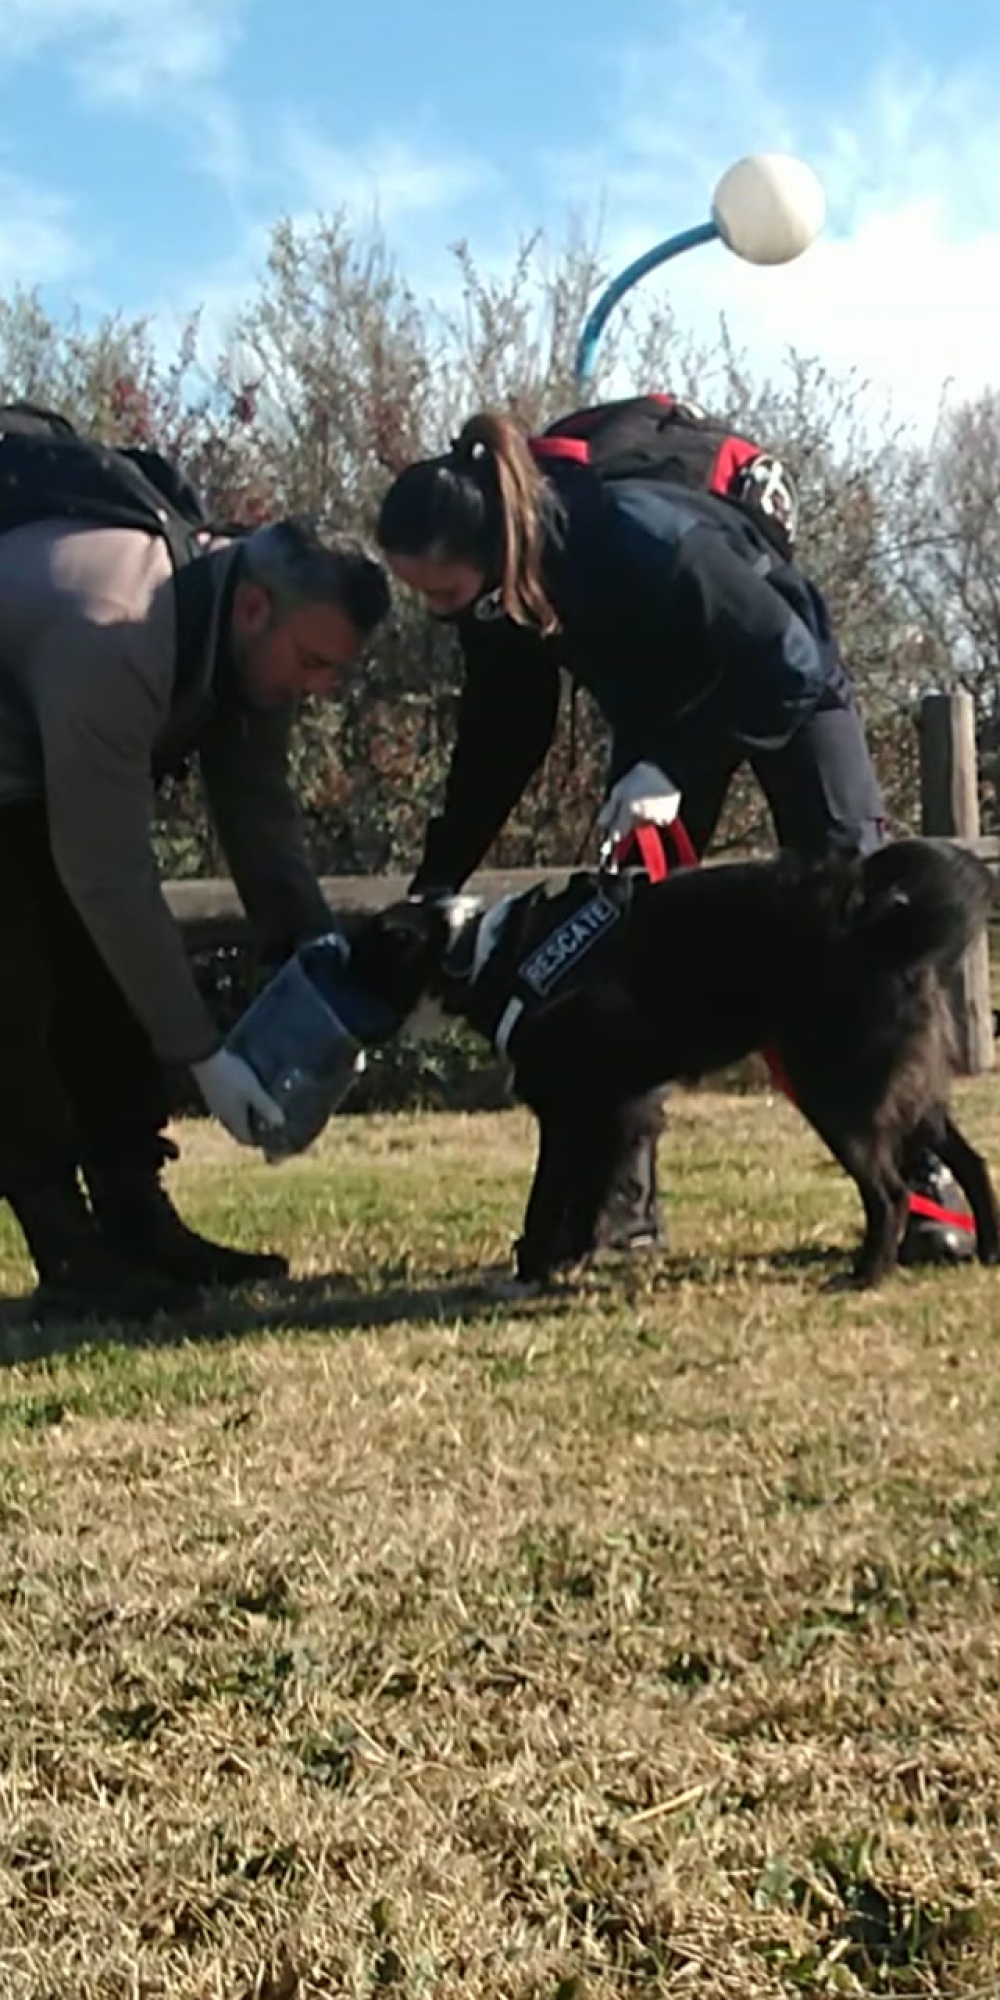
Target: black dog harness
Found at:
x=546, y=946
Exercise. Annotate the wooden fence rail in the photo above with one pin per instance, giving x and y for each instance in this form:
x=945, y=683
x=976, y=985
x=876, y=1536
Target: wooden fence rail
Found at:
x=211, y=915
x=212, y=918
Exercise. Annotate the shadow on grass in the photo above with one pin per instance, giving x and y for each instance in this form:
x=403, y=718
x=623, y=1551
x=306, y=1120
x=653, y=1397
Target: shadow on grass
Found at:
x=704, y=1265
x=332, y=1304
x=336, y=1303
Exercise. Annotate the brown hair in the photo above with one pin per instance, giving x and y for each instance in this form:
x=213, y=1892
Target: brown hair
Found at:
x=486, y=502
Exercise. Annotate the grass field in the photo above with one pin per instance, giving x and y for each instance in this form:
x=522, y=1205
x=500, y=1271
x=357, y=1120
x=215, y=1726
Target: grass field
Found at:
x=380, y=1639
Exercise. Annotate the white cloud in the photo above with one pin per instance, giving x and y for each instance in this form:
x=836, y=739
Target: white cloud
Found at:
x=903, y=284
x=125, y=51
x=168, y=58
x=40, y=240
x=386, y=180
x=162, y=58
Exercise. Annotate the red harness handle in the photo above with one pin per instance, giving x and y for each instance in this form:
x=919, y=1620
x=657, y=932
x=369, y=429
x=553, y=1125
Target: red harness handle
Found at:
x=654, y=845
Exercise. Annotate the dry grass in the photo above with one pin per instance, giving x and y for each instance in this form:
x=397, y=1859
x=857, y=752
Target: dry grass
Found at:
x=639, y=1640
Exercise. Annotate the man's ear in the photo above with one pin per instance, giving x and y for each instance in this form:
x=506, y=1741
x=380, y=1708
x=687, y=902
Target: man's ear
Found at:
x=252, y=609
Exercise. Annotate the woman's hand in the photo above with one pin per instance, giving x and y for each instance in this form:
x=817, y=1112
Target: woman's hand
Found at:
x=645, y=796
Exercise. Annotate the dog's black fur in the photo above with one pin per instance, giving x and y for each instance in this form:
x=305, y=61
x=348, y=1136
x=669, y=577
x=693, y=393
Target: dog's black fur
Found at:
x=839, y=969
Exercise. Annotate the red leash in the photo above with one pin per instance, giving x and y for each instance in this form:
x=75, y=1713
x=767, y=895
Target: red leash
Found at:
x=662, y=848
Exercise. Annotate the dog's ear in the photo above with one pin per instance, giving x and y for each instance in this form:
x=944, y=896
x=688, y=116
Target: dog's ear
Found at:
x=396, y=949
x=415, y=918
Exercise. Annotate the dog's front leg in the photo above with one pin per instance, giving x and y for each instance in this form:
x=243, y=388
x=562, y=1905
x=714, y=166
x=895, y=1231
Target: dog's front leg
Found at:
x=537, y=1251
x=596, y=1150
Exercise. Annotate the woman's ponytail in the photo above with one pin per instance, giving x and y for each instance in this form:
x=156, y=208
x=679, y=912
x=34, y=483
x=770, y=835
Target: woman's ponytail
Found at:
x=492, y=441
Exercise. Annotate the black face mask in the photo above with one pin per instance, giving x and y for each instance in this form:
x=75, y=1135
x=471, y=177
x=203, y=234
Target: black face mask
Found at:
x=489, y=606
x=484, y=609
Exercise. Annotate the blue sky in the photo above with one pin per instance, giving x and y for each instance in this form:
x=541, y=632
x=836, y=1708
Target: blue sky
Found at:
x=147, y=145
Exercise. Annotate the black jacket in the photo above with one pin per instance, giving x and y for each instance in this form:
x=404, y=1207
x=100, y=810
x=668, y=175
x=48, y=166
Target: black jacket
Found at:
x=680, y=621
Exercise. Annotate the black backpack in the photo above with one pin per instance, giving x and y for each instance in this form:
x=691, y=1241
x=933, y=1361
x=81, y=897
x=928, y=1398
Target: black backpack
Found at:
x=665, y=437
x=47, y=471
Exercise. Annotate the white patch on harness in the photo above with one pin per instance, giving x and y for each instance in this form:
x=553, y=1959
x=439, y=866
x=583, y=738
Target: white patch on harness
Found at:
x=459, y=912
x=505, y=1026
x=488, y=936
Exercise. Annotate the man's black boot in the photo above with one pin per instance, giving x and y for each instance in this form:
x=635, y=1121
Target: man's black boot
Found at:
x=80, y=1277
x=140, y=1223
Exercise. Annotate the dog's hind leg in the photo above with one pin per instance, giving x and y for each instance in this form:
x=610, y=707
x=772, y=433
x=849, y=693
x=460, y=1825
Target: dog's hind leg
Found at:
x=974, y=1179
x=886, y=1201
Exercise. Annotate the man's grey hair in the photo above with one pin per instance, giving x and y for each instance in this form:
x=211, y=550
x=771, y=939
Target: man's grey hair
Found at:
x=298, y=566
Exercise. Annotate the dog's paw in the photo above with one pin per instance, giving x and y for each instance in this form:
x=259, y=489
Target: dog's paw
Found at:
x=848, y=1281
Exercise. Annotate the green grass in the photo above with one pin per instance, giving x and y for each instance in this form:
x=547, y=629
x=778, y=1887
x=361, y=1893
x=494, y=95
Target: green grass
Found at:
x=379, y=1638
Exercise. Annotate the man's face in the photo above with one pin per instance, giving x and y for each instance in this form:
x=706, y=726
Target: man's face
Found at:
x=279, y=660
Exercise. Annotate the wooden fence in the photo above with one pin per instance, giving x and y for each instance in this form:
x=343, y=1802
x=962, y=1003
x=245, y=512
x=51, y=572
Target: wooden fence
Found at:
x=949, y=805
x=211, y=915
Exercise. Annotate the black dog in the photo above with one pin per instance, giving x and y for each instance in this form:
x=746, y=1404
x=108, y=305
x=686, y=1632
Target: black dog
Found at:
x=614, y=986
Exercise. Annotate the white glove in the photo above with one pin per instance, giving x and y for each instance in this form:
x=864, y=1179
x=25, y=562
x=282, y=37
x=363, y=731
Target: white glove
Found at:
x=235, y=1096
x=645, y=796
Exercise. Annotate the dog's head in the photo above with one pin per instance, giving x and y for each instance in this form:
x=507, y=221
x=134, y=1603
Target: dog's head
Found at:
x=401, y=954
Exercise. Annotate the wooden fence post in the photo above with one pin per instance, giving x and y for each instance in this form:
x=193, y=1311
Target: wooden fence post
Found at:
x=949, y=804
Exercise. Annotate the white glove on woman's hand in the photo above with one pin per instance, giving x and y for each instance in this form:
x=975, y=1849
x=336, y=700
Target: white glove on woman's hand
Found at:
x=235, y=1096
x=645, y=796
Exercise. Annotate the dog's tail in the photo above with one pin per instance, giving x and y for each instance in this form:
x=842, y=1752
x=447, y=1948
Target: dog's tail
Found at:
x=923, y=902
